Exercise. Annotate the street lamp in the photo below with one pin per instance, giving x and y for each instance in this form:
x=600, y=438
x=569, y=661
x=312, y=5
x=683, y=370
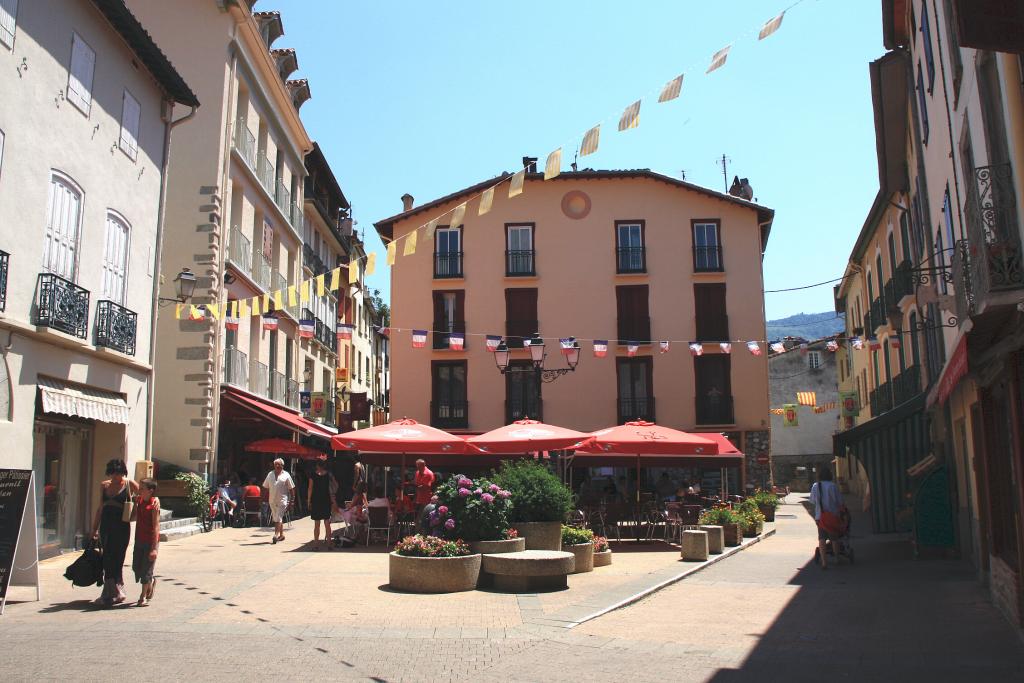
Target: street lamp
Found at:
x=537, y=354
x=184, y=287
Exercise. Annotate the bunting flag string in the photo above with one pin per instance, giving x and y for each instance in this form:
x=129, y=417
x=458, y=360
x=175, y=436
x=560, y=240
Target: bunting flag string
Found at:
x=345, y=331
x=553, y=165
x=672, y=89
x=630, y=117
x=419, y=339
x=515, y=186
x=771, y=26
x=486, y=200
x=591, y=139
x=632, y=349
x=492, y=342
x=600, y=348
x=718, y=60
x=696, y=349
x=663, y=346
x=726, y=347
x=806, y=398
x=754, y=348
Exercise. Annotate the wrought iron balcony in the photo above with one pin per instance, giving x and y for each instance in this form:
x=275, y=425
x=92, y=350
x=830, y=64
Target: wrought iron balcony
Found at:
x=278, y=387
x=903, y=282
x=240, y=251
x=906, y=385
x=449, y=414
x=878, y=316
x=708, y=259
x=520, y=407
x=992, y=231
x=636, y=408
x=116, y=327
x=236, y=368
x=714, y=410
x=307, y=256
x=443, y=331
x=4, y=259
x=259, y=378
x=245, y=143
x=881, y=399
x=293, y=394
x=963, y=287
x=263, y=274
x=62, y=305
x=283, y=198
x=519, y=262
x=448, y=264
x=265, y=172
x=630, y=260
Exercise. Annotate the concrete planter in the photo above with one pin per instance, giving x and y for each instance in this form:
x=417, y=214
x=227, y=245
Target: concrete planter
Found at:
x=603, y=559
x=512, y=545
x=433, y=574
x=768, y=511
x=541, y=535
x=716, y=538
x=584, y=553
x=733, y=534
x=756, y=530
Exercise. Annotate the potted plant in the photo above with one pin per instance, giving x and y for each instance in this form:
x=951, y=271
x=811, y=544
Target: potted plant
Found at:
x=750, y=518
x=602, y=552
x=197, y=498
x=429, y=564
x=728, y=520
x=579, y=542
x=766, y=503
x=540, y=502
x=475, y=511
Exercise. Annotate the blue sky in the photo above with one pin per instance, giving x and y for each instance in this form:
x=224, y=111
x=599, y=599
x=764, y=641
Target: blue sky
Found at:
x=429, y=97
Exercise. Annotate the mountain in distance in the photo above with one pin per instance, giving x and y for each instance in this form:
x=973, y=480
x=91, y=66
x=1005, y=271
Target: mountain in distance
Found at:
x=810, y=326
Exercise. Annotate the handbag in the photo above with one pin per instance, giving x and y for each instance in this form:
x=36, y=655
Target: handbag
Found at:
x=87, y=570
x=128, y=512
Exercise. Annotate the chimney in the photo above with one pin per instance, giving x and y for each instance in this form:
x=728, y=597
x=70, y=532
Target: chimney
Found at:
x=407, y=200
x=530, y=164
x=741, y=188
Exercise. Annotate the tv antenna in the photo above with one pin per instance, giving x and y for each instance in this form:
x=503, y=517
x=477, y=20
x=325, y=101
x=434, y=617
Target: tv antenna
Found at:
x=724, y=161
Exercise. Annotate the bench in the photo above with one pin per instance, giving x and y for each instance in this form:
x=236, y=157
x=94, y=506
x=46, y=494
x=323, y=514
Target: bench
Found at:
x=527, y=571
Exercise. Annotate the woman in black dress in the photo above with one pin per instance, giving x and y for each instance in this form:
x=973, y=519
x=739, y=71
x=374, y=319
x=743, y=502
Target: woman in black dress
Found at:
x=320, y=501
x=112, y=532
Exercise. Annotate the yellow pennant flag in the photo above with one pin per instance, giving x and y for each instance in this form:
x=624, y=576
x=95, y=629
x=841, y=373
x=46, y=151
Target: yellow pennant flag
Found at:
x=216, y=310
x=631, y=117
x=179, y=311
x=591, y=139
x=371, y=263
x=320, y=288
x=234, y=309
x=771, y=26
x=279, y=300
x=486, y=200
x=304, y=291
x=671, y=89
x=255, y=305
x=410, y=243
x=718, y=60
x=266, y=303
x=431, y=228
x=553, y=166
x=243, y=308
x=392, y=253
x=515, y=187
x=458, y=215
x=335, y=280
x=293, y=299
x=353, y=272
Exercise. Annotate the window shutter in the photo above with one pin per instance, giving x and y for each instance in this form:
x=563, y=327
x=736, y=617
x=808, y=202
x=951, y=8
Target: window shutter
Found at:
x=130, y=114
x=438, y=310
x=83, y=63
x=61, y=243
x=115, y=260
x=8, y=21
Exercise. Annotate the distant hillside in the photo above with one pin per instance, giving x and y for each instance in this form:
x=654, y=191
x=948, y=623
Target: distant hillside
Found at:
x=806, y=325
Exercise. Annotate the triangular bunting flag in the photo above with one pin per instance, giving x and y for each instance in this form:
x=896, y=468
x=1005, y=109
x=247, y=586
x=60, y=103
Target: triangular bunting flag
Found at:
x=671, y=89
x=335, y=283
x=778, y=347
x=553, y=166
x=269, y=321
x=631, y=349
x=321, y=288
x=255, y=305
x=590, y=141
x=231, y=323
x=353, y=272
x=345, y=331
x=307, y=327
x=279, y=300
x=894, y=341
x=697, y=349
x=431, y=229
x=492, y=342
x=456, y=341
x=771, y=26
x=410, y=243
x=214, y=310
x=806, y=398
x=718, y=60
x=754, y=348
x=419, y=339
x=857, y=343
x=630, y=117
x=726, y=347
x=600, y=348
x=832, y=345
x=663, y=347
x=197, y=312
x=486, y=200
x=293, y=298
x=567, y=345
x=371, y=263
x=243, y=308
x=515, y=187
x=458, y=215
x=392, y=253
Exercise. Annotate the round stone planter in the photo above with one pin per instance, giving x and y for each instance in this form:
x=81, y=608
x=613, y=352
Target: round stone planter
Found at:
x=512, y=545
x=584, y=553
x=768, y=511
x=433, y=574
x=541, y=535
x=733, y=534
x=603, y=559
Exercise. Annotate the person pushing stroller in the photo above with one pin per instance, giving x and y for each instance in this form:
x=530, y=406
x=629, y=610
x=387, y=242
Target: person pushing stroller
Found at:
x=830, y=514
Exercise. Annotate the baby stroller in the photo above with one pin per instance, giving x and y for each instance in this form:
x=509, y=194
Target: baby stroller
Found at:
x=838, y=543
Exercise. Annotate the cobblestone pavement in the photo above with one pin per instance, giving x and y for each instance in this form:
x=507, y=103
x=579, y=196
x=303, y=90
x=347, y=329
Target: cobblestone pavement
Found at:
x=230, y=604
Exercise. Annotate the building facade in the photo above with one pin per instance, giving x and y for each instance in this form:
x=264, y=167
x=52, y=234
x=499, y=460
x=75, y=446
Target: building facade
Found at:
x=633, y=257
x=82, y=221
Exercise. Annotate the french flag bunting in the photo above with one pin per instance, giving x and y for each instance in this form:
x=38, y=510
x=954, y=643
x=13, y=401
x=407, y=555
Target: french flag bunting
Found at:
x=269, y=322
x=696, y=349
x=386, y=331
x=631, y=349
x=567, y=344
x=456, y=341
x=492, y=342
x=894, y=342
x=306, y=329
x=345, y=331
x=197, y=312
x=754, y=348
x=857, y=343
x=832, y=345
x=726, y=347
x=231, y=324
x=663, y=347
x=600, y=348
x=874, y=344
x=419, y=339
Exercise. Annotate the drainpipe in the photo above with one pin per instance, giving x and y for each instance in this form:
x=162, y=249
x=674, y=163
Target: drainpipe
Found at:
x=170, y=125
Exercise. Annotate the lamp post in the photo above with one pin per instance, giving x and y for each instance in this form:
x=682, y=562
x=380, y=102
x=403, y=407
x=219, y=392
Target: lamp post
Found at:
x=184, y=287
x=538, y=352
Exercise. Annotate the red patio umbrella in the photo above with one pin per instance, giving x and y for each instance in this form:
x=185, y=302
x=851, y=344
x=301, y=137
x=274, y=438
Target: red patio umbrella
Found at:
x=278, y=446
x=527, y=435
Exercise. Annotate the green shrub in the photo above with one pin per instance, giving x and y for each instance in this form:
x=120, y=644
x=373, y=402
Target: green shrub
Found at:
x=575, y=536
x=766, y=499
x=750, y=520
x=718, y=517
x=197, y=499
x=474, y=510
x=537, y=494
x=748, y=505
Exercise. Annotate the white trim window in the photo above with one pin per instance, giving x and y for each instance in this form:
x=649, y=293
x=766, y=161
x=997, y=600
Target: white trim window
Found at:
x=8, y=22
x=63, y=225
x=115, y=259
x=80, y=73
x=130, y=114
x=814, y=360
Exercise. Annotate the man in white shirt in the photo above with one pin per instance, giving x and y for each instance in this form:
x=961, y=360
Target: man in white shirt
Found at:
x=281, y=489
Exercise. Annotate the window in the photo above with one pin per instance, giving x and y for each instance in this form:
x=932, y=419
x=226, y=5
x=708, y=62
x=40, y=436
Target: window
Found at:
x=130, y=111
x=926, y=36
x=947, y=214
x=115, y=259
x=956, y=59
x=60, y=245
x=940, y=252
x=449, y=312
x=634, y=322
x=522, y=393
x=922, y=104
x=707, y=248
x=712, y=377
x=814, y=360
x=519, y=254
x=83, y=63
x=635, y=378
x=711, y=313
x=905, y=236
x=915, y=350
x=448, y=405
x=629, y=242
x=520, y=316
x=892, y=255
x=448, y=252
x=8, y=21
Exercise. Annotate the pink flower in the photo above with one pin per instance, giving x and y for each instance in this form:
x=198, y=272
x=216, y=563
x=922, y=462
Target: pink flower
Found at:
x=487, y=498
x=463, y=492
x=478, y=491
x=450, y=524
x=494, y=488
x=443, y=510
x=504, y=494
x=433, y=499
x=465, y=483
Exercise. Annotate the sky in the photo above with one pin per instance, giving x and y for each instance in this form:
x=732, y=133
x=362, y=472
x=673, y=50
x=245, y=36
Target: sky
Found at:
x=431, y=97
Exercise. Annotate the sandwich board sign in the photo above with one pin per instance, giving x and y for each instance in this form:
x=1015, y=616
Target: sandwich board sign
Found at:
x=19, y=547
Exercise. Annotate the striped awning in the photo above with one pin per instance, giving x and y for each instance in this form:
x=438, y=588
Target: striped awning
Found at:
x=82, y=401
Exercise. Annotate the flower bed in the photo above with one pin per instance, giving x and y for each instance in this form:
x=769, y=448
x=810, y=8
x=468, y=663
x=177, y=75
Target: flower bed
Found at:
x=602, y=552
x=427, y=564
x=728, y=520
x=579, y=542
x=473, y=510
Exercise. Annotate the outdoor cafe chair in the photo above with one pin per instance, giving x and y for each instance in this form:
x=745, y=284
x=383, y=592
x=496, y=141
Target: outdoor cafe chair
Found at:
x=377, y=521
x=252, y=508
x=673, y=521
x=690, y=516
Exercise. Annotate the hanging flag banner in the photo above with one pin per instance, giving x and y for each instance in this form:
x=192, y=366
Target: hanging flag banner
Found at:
x=266, y=303
x=631, y=349
x=696, y=349
x=820, y=409
x=279, y=300
x=386, y=331
x=874, y=344
x=857, y=343
x=321, y=288
x=718, y=60
x=492, y=342
x=419, y=339
x=771, y=26
x=231, y=323
x=196, y=312
x=630, y=117
x=243, y=308
x=456, y=341
x=567, y=344
x=255, y=306
x=269, y=321
x=832, y=345
x=353, y=273
x=778, y=347
x=515, y=186
x=335, y=283
x=894, y=341
x=306, y=328
x=849, y=404
x=754, y=348
x=806, y=398
x=410, y=243
x=431, y=229
x=789, y=415
x=590, y=141
x=663, y=347
x=486, y=200
x=215, y=310
x=777, y=411
x=726, y=347
x=345, y=331
x=392, y=252
x=458, y=215
x=553, y=166
x=371, y=263
x=671, y=89
x=600, y=348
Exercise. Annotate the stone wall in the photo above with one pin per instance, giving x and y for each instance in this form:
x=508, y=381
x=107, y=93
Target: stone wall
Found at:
x=755, y=442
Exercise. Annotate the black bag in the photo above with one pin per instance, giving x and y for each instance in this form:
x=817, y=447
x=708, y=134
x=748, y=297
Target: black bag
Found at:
x=87, y=570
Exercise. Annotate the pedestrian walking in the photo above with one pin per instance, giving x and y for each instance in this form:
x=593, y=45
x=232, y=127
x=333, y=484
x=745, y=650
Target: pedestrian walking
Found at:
x=828, y=502
x=112, y=529
x=147, y=540
x=320, y=500
x=358, y=475
x=424, y=480
x=281, y=496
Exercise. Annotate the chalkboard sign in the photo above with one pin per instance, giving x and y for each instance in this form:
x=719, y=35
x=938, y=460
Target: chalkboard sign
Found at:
x=19, y=559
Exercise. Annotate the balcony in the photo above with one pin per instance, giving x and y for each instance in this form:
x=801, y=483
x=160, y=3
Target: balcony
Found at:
x=62, y=305
x=903, y=283
x=278, y=387
x=714, y=410
x=518, y=330
x=992, y=232
x=708, y=259
x=634, y=330
x=878, y=315
x=636, y=408
x=283, y=198
x=519, y=408
x=262, y=272
x=240, y=251
x=881, y=399
x=265, y=172
x=448, y=264
x=449, y=414
x=443, y=330
x=116, y=327
x=519, y=262
x=236, y=368
x=244, y=143
x=4, y=258
x=906, y=385
x=259, y=378
x=293, y=394
x=295, y=215
x=630, y=260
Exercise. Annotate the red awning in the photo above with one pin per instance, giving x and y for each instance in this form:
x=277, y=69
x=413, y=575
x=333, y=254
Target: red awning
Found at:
x=954, y=371
x=276, y=414
x=276, y=446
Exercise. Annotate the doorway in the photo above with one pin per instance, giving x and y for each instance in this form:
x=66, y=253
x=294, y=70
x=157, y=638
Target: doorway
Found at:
x=61, y=460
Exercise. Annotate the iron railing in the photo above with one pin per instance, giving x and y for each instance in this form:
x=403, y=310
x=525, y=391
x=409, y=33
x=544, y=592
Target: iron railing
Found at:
x=906, y=385
x=240, y=251
x=708, y=259
x=236, y=368
x=116, y=327
x=293, y=394
x=636, y=408
x=4, y=259
x=635, y=329
x=283, y=198
x=449, y=414
x=295, y=215
x=878, y=316
x=630, y=260
x=62, y=305
x=447, y=264
x=265, y=172
x=443, y=330
x=520, y=407
x=278, y=387
x=516, y=331
x=519, y=262
x=259, y=378
x=992, y=231
x=245, y=143
x=714, y=410
x=963, y=287
x=263, y=274
x=881, y=399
